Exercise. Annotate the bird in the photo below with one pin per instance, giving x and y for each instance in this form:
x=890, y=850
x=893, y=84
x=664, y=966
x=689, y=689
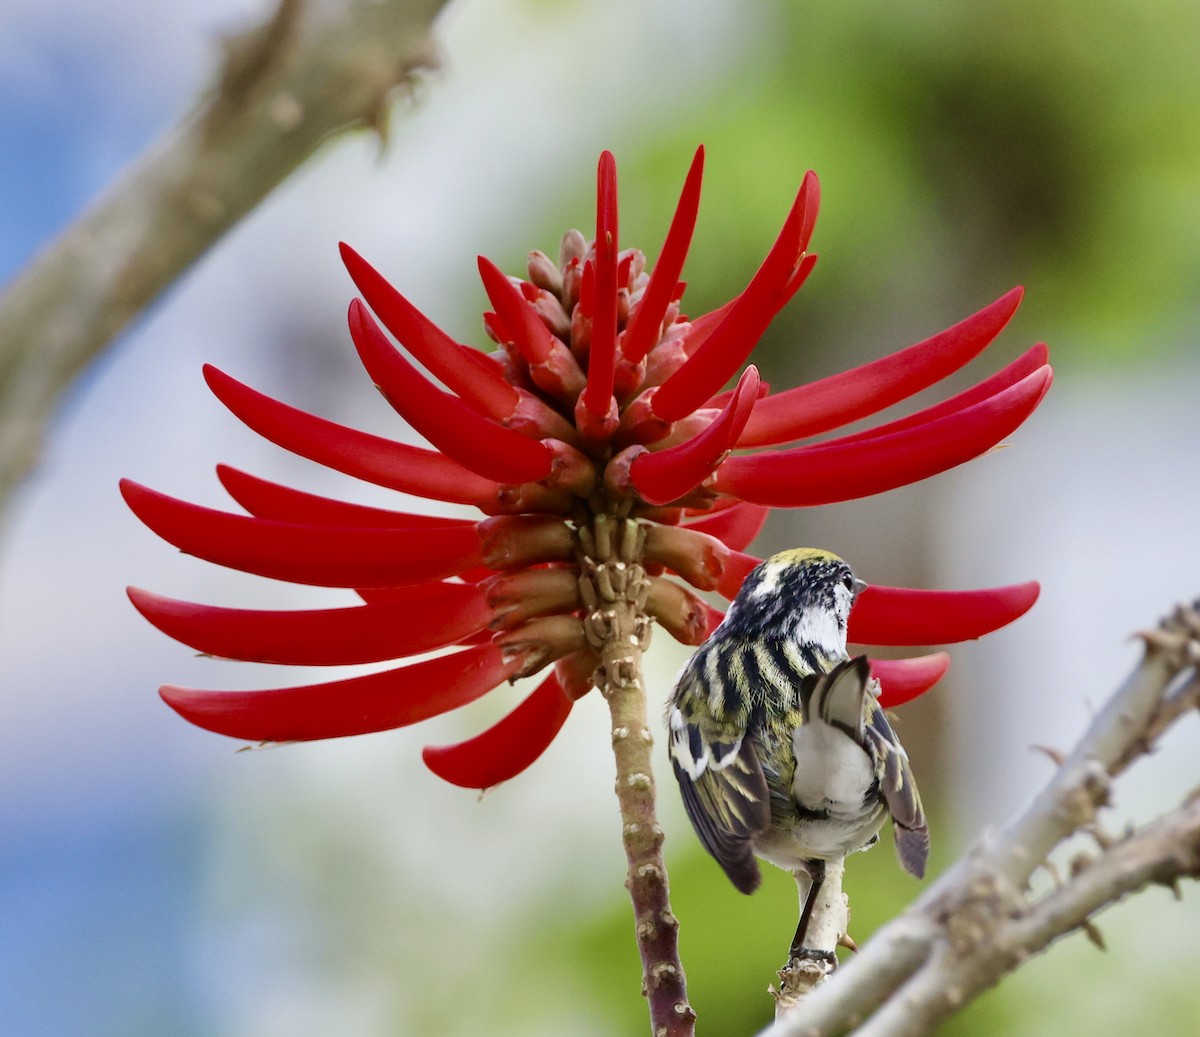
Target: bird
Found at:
x=778, y=741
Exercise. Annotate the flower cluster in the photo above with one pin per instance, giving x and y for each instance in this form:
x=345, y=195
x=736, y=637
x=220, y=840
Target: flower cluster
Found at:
x=596, y=439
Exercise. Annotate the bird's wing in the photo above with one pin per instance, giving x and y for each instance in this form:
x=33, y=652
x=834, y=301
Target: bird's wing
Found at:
x=899, y=790
x=724, y=792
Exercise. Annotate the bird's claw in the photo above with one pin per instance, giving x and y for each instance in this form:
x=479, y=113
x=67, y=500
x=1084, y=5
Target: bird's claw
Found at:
x=801, y=955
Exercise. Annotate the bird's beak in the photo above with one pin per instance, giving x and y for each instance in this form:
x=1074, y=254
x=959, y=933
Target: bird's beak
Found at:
x=859, y=587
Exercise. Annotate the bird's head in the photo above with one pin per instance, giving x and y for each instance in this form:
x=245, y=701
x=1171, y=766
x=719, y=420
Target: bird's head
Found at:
x=802, y=594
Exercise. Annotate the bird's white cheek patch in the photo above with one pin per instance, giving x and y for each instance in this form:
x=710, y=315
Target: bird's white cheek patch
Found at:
x=821, y=628
x=832, y=771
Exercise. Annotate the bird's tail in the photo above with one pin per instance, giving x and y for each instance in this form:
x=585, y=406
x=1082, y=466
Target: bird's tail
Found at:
x=837, y=697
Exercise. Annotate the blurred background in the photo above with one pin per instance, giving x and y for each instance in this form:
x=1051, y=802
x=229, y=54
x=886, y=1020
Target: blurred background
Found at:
x=153, y=881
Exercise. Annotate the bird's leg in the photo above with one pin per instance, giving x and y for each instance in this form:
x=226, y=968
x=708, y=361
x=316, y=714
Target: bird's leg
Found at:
x=814, y=870
x=811, y=959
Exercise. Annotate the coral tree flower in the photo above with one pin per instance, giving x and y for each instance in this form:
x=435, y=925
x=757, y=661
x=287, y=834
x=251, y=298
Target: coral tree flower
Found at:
x=602, y=403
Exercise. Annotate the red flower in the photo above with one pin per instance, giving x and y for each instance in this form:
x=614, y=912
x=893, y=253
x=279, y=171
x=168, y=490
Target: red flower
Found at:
x=600, y=413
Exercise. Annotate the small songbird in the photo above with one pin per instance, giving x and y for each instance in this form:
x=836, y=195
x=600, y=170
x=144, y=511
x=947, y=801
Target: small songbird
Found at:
x=778, y=741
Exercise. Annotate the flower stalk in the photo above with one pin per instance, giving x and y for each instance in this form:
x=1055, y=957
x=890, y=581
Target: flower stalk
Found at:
x=615, y=588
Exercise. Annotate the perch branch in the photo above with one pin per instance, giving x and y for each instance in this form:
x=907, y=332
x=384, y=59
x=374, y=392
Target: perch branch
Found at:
x=979, y=921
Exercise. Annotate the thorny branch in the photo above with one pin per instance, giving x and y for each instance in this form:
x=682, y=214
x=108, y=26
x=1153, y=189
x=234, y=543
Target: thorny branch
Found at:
x=980, y=921
x=313, y=69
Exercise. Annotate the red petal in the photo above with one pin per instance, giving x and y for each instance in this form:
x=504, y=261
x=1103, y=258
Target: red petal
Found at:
x=837, y=471
x=646, y=323
x=737, y=568
x=699, y=559
x=900, y=616
x=463, y=434
x=358, y=705
x=669, y=474
x=735, y=527
x=482, y=386
x=722, y=398
x=398, y=466
x=597, y=395
x=1033, y=359
x=531, y=337
x=681, y=613
x=850, y=395
x=430, y=616
x=522, y=594
x=731, y=341
x=810, y=193
x=902, y=680
x=324, y=556
x=506, y=748
x=269, y=500
x=713, y=618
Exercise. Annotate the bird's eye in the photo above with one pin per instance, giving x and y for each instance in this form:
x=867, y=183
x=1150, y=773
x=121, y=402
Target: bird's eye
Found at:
x=848, y=582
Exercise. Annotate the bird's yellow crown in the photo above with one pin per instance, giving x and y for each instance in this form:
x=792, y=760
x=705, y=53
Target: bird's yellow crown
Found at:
x=802, y=556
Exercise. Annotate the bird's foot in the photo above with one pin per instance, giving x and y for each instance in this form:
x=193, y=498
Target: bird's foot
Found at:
x=806, y=969
x=801, y=955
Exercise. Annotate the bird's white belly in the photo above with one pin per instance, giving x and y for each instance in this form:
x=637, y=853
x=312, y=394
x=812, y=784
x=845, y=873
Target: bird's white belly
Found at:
x=788, y=846
x=833, y=772
x=832, y=779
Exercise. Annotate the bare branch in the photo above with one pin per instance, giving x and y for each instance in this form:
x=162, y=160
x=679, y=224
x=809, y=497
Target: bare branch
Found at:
x=313, y=69
x=979, y=922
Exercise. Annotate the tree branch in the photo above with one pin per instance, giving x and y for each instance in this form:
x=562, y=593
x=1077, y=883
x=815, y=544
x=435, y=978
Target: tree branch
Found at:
x=313, y=69
x=979, y=921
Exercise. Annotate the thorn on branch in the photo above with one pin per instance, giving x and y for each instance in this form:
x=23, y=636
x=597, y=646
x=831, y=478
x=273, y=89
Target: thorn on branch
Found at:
x=248, y=56
x=1092, y=931
x=1080, y=863
x=1057, y=756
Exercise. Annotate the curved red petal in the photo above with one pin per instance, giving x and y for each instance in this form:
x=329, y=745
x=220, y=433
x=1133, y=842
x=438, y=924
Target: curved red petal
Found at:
x=904, y=616
x=730, y=342
x=531, y=337
x=602, y=357
x=482, y=386
x=461, y=433
x=355, y=706
x=646, y=323
x=429, y=616
x=837, y=471
x=902, y=680
x=713, y=617
x=507, y=747
x=850, y=395
x=270, y=500
x=1033, y=359
x=667, y=475
x=737, y=567
x=398, y=466
x=810, y=203
x=323, y=556
x=736, y=526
